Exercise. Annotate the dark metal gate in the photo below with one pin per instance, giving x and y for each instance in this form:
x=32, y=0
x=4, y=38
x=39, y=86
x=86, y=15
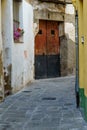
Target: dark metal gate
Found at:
x=47, y=60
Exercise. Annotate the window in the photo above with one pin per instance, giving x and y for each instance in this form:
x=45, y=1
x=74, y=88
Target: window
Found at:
x=17, y=21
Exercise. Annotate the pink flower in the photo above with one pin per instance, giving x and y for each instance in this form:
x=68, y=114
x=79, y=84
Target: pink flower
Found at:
x=18, y=33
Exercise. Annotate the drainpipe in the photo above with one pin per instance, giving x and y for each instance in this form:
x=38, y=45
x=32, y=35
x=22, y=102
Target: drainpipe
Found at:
x=77, y=60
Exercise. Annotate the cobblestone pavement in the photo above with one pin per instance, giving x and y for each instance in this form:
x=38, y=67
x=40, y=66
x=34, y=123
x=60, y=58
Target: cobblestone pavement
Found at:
x=44, y=105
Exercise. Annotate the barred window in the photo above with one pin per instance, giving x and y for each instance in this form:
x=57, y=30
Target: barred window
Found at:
x=17, y=16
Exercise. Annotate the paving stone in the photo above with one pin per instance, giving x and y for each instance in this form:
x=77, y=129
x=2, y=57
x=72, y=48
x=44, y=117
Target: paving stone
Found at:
x=27, y=111
x=41, y=128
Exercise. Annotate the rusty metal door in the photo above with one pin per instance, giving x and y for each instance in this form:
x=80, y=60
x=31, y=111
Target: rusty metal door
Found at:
x=47, y=61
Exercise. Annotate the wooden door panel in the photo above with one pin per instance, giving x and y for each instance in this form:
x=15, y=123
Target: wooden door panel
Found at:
x=40, y=52
x=40, y=40
x=52, y=38
x=40, y=67
x=53, y=57
x=53, y=66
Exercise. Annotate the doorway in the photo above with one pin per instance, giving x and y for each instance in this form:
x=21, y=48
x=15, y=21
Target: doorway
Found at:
x=47, y=52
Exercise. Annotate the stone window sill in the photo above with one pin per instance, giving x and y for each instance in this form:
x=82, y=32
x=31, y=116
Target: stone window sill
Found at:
x=19, y=42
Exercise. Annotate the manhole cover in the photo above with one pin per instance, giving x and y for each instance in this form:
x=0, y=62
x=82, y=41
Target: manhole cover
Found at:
x=49, y=98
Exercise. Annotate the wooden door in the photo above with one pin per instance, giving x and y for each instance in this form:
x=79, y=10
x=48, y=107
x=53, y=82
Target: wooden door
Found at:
x=47, y=63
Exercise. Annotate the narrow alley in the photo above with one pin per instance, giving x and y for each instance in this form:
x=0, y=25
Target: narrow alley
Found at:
x=47, y=104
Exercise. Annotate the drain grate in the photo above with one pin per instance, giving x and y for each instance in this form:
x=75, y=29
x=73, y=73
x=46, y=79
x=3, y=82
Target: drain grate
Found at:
x=37, y=88
x=49, y=98
x=27, y=91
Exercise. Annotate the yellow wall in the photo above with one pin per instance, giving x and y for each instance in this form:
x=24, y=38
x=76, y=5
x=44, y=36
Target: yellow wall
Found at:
x=85, y=44
x=78, y=4
x=82, y=13
x=81, y=6
x=81, y=45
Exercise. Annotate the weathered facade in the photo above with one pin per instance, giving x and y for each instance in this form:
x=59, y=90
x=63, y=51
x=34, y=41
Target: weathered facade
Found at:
x=62, y=12
x=1, y=63
x=18, y=55
x=70, y=37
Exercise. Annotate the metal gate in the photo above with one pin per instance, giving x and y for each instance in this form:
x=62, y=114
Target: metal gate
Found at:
x=47, y=60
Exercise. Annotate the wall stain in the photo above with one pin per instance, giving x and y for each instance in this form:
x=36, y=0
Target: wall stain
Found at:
x=1, y=78
x=1, y=65
x=7, y=80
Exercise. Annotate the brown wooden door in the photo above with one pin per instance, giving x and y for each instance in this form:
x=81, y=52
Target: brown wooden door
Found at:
x=47, y=63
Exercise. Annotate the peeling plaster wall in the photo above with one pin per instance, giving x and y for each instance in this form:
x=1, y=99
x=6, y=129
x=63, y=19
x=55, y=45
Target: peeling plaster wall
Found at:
x=18, y=57
x=7, y=41
x=64, y=14
x=70, y=36
x=47, y=11
x=1, y=63
x=23, y=53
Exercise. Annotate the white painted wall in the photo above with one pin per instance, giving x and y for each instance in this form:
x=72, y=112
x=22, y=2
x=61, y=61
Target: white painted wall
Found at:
x=19, y=56
x=7, y=40
x=7, y=31
x=29, y=42
x=23, y=53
